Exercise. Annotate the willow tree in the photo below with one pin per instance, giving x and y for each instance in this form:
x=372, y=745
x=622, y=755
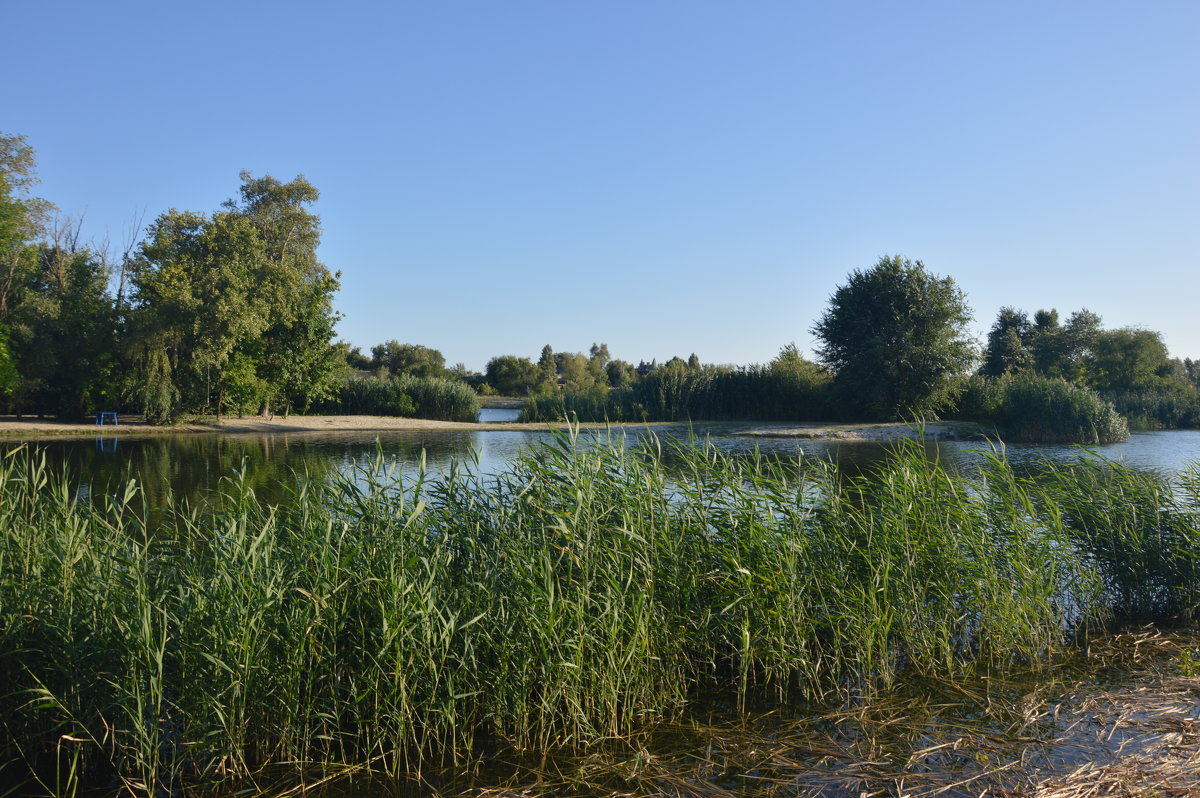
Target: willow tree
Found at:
x=895, y=338
x=235, y=310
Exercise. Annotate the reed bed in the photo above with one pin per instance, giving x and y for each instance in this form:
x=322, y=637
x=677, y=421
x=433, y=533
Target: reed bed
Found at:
x=402, y=624
x=402, y=395
x=679, y=394
x=1036, y=409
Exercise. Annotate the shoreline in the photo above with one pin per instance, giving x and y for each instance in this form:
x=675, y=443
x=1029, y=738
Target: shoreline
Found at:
x=32, y=427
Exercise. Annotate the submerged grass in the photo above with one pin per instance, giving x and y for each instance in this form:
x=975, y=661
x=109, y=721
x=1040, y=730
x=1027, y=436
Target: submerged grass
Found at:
x=397, y=623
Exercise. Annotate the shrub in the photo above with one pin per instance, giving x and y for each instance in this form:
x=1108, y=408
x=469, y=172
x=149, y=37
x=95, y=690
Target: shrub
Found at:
x=1035, y=409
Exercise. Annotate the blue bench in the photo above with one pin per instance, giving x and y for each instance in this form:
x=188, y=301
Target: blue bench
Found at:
x=103, y=417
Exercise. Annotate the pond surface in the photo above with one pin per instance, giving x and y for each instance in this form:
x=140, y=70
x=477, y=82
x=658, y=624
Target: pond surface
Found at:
x=193, y=464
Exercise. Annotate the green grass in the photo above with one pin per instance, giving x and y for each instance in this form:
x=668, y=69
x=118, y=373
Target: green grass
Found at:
x=589, y=590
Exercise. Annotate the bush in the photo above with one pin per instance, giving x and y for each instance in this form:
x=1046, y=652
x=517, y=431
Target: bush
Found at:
x=1035, y=409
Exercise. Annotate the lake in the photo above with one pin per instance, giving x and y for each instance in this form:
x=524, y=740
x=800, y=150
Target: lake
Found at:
x=194, y=464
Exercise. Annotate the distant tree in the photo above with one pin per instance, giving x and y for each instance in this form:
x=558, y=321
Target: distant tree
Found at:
x=63, y=329
x=296, y=357
x=1080, y=333
x=693, y=362
x=354, y=356
x=599, y=354
x=620, y=374
x=1008, y=344
x=412, y=359
x=895, y=337
x=577, y=373
x=547, y=370
x=598, y=358
x=789, y=362
x=1128, y=359
x=510, y=375
x=23, y=218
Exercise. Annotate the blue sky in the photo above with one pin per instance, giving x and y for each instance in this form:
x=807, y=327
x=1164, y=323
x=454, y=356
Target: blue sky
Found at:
x=666, y=177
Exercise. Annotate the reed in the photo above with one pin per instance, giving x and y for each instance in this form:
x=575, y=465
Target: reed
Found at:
x=397, y=621
x=680, y=394
x=403, y=395
x=1034, y=409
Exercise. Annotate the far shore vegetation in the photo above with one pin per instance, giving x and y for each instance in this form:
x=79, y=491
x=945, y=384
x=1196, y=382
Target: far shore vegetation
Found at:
x=230, y=312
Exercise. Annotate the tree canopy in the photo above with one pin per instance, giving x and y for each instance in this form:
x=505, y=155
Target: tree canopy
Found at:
x=895, y=337
x=234, y=312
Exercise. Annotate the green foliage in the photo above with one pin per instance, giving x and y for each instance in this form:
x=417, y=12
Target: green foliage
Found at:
x=1035, y=409
x=620, y=374
x=1128, y=359
x=420, y=397
x=412, y=359
x=510, y=375
x=789, y=389
x=243, y=284
x=1008, y=344
x=547, y=371
x=895, y=338
x=1143, y=531
x=1170, y=405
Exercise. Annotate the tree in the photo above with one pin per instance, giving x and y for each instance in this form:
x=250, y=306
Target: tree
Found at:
x=577, y=373
x=296, y=356
x=547, y=371
x=1128, y=359
x=23, y=219
x=620, y=373
x=196, y=284
x=413, y=359
x=895, y=338
x=510, y=375
x=63, y=329
x=234, y=307
x=1008, y=344
x=791, y=364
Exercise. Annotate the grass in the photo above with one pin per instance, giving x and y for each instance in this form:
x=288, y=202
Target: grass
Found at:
x=399, y=622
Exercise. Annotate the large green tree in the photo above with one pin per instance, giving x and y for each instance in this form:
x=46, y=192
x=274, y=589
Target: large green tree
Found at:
x=235, y=310
x=895, y=337
x=296, y=356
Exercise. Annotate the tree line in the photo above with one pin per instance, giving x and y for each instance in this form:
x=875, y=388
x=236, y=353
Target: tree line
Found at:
x=231, y=311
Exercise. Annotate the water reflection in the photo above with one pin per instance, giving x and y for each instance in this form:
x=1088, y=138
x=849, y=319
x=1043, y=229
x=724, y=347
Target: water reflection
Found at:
x=496, y=415
x=194, y=465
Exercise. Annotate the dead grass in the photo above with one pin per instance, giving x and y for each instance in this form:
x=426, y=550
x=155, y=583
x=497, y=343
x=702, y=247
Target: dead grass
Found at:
x=1123, y=721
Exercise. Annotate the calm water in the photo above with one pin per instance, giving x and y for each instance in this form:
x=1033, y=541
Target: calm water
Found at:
x=196, y=464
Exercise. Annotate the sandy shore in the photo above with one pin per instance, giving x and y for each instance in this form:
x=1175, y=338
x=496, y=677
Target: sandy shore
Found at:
x=132, y=425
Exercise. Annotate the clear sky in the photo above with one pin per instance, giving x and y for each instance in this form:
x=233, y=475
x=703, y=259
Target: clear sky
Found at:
x=666, y=177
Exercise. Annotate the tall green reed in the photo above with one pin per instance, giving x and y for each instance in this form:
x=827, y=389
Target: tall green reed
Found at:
x=390, y=620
